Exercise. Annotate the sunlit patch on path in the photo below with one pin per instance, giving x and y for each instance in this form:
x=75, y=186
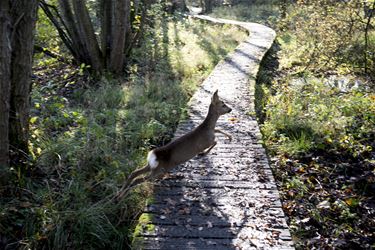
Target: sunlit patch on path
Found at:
x=227, y=199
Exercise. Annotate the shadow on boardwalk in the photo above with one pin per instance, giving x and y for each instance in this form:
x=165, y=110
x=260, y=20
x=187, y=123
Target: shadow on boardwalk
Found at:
x=227, y=199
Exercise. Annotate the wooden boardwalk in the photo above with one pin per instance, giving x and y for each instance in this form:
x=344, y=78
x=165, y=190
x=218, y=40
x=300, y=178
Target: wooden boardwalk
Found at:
x=227, y=199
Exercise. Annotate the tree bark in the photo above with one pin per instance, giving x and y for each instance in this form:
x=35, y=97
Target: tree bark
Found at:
x=106, y=12
x=367, y=28
x=77, y=45
x=119, y=28
x=87, y=34
x=23, y=17
x=207, y=6
x=5, y=60
x=60, y=26
x=129, y=37
x=116, y=37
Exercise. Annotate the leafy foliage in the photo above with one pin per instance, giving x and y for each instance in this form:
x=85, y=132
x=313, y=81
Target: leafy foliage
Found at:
x=88, y=135
x=311, y=116
x=319, y=132
x=328, y=35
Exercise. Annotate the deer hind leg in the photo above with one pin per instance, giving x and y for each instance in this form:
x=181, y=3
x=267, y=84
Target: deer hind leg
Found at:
x=226, y=134
x=132, y=176
x=131, y=185
x=153, y=175
x=208, y=149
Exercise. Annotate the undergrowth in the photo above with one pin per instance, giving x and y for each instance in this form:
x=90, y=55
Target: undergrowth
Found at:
x=86, y=138
x=258, y=11
x=315, y=104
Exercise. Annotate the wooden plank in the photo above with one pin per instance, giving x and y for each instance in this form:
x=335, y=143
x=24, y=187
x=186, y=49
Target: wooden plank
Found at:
x=227, y=199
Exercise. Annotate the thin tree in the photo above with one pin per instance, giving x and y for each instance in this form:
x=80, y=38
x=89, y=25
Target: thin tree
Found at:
x=369, y=15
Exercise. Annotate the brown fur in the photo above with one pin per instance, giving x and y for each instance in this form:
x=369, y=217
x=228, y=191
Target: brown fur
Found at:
x=198, y=141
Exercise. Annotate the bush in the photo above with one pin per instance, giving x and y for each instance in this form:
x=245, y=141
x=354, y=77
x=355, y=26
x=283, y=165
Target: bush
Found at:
x=312, y=115
x=86, y=140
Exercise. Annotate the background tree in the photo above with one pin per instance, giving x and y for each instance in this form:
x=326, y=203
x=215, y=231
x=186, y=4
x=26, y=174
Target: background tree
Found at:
x=206, y=5
x=334, y=35
x=120, y=25
x=5, y=52
x=17, y=26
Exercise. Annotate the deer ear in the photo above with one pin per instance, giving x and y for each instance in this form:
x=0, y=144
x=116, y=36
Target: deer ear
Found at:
x=215, y=97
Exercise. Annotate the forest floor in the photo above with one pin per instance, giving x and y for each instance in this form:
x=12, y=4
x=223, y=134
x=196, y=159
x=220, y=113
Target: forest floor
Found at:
x=87, y=134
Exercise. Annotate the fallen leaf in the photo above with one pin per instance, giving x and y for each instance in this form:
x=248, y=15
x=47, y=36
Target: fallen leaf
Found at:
x=184, y=210
x=170, y=201
x=324, y=204
x=233, y=119
x=352, y=202
x=25, y=204
x=305, y=220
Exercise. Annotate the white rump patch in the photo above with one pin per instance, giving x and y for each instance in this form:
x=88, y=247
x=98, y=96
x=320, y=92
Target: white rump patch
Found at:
x=152, y=160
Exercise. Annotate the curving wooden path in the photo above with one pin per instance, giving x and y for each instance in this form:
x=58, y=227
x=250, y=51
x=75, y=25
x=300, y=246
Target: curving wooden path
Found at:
x=227, y=199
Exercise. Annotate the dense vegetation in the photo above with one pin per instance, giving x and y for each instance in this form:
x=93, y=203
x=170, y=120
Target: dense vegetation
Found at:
x=89, y=123
x=315, y=99
x=87, y=133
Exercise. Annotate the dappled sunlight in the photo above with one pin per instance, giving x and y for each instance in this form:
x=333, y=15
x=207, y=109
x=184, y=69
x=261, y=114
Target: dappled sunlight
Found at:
x=89, y=90
x=87, y=139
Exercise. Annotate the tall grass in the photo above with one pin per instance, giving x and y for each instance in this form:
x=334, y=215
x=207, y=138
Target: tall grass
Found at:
x=85, y=143
x=318, y=132
x=264, y=12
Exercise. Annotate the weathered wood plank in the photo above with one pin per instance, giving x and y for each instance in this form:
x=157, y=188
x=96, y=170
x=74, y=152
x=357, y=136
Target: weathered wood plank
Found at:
x=227, y=199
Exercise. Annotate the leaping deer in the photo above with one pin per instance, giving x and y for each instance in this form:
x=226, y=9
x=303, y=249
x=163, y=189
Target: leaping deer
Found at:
x=198, y=141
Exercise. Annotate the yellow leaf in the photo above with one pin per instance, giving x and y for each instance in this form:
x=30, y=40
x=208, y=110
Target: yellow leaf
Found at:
x=233, y=119
x=33, y=119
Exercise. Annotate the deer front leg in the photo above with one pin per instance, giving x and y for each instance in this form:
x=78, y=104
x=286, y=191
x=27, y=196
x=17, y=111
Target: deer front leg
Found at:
x=226, y=134
x=208, y=150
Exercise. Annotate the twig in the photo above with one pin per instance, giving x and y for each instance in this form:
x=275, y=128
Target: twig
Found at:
x=50, y=54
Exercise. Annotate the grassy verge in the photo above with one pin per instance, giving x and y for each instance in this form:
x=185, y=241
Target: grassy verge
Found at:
x=87, y=139
x=321, y=143
x=318, y=132
x=264, y=12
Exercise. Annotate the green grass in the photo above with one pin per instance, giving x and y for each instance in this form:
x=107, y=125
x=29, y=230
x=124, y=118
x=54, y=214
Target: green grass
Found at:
x=312, y=116
x=320, y=138
x=87, y=139
x=264, y=12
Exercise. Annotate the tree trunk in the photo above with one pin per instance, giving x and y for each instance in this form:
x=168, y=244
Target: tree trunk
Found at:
x=119, y=28
x=60, y=26
x=207, y=6
x=23, y=17
x=81, y=53
x=116, y=37
x=367, y=29
x=5, y=59
x=106, y=12
x=87, y=34
x=128, y=31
